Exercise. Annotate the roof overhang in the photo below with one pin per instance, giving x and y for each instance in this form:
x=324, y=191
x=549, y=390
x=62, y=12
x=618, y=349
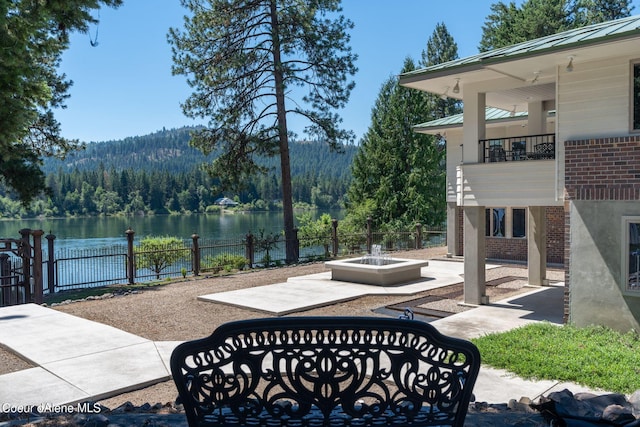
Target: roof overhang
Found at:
x=526, y=72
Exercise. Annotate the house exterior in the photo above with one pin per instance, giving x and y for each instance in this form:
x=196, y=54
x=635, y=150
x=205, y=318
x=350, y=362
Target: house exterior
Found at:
x=544, y=164
x=225, y=201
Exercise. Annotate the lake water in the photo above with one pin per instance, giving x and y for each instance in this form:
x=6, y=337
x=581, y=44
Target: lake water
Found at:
x=88, y=251
x=96, y=232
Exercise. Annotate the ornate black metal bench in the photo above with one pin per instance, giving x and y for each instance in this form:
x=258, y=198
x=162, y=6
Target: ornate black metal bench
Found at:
x=325, y=371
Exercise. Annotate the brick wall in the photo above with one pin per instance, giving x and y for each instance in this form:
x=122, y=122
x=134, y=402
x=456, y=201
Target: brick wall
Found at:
x=555, y=234
x=602, y=169
x=515, y=249
x=506, y=249
x=598, y=169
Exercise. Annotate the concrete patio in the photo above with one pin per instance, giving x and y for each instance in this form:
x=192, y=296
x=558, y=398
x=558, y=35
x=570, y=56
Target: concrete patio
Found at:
x=79, y=360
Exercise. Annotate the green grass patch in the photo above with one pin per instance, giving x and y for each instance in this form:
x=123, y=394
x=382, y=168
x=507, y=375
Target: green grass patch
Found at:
x=596, y=357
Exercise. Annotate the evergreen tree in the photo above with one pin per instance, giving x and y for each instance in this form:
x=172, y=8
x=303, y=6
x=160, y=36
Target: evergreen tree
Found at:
x=242, y=59
x=398, y=174
x=508, y=24
x=441, y=47
x=33, y=35
x=595, y=11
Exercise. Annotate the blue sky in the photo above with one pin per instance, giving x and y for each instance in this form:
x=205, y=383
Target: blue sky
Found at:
x=123, y=87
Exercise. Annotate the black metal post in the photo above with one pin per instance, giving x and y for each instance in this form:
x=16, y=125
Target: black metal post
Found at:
x=130, y=256
x=37, y=266
x=5, y=272
x=296, y=244
x=334, y=236
x=51, y=280
x=369, y=235
x=196, y=255
x=418, y=236
x=249, y=250
x=26, y=255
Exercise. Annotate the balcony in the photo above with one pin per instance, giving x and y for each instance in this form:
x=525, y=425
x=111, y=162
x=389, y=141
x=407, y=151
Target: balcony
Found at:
x=519, y=148
x=523, y=173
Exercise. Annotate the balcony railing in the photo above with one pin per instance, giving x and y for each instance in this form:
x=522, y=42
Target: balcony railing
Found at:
x=519, y=148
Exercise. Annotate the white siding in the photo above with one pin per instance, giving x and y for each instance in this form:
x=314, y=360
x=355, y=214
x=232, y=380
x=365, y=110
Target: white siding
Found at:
x=454, y=157
x=526, y=183
x=592, y=102
x=454, y=150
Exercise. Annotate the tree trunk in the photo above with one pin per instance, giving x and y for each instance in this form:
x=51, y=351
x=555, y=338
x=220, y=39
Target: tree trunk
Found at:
x=287, y=199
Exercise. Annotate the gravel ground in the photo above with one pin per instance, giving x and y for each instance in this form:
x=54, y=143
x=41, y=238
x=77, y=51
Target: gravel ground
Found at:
x=173, y=313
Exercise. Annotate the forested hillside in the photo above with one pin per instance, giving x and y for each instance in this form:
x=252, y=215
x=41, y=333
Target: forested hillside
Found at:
x=160, y=173
x=169, y=150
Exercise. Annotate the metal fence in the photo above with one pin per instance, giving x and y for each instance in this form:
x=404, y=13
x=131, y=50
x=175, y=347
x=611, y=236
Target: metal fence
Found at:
x=82, y=268
x=130, y=263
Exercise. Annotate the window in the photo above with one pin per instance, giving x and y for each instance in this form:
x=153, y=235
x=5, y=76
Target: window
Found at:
x=505, y=222
x=631, y=254
x=495, y=222
x=519, y=228
x=635, y=101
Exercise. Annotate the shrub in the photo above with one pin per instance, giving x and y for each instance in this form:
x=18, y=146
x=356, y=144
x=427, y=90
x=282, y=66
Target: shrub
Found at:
x=225, y=262
x=315, y=233
x=157, y=253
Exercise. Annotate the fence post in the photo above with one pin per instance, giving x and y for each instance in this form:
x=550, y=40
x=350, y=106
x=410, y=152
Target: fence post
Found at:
x=196, y=255
x=37, y=265
x=130, y=257
x=51, y=283
x=5, y=272
x=296, y=245
x=334, y=236
x=248, y=249
x=25, y=253
x=418, y=236
x=369, y=235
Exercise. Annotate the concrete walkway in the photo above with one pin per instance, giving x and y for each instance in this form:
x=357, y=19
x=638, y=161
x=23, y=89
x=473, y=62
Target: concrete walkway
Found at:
x=79, y=360
x=76, y=359
x=317, y=290
x=496, y=385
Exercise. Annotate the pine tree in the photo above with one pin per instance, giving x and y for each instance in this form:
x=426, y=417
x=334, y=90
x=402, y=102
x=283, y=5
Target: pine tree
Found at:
x=595, y=11
x=508, y=24
x=33, y=35
x=441, y=47
x=244, y=59
x=398, y=174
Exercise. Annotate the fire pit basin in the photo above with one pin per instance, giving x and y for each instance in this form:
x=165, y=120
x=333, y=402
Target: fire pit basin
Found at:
x=391, y=271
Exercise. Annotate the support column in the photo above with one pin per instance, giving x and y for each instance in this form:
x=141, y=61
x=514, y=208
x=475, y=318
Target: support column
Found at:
x=536, y=119
x=537, y=245
x=474, y=129
x=453, y=227
x=474, y=255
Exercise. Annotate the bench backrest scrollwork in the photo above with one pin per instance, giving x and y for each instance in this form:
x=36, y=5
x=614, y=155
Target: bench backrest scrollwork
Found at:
x=314, y=371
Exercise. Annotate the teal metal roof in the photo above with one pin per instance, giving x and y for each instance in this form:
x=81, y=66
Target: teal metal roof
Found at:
x=491, y=114
x=591, y=34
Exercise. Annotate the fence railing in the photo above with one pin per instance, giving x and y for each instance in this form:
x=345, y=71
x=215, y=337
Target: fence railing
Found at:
x=59, y=270
x=519, y=148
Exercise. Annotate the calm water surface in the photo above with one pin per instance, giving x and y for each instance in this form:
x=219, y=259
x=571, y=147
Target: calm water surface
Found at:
x=94, y=232
x=107, y=235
